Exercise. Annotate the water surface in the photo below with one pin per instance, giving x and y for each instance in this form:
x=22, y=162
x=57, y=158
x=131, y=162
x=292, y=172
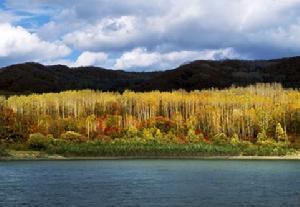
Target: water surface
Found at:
x=150, y=183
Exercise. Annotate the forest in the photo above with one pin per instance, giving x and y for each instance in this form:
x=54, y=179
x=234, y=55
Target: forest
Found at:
x=261, y=119
x=27, y=78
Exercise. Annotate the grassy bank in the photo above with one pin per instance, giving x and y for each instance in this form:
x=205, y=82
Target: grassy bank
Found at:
x=150, y=150
x=3, y=152
x=160, y=149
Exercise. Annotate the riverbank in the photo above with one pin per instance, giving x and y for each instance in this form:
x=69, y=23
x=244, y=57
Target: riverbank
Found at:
x=37, y=155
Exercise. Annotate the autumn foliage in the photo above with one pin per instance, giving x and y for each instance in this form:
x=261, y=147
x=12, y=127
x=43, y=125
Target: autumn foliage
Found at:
x=256, y=114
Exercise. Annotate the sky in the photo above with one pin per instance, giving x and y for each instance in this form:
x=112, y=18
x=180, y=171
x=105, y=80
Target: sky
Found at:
x=138, y=35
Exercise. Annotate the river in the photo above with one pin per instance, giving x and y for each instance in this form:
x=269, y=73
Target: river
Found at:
x=150, y=183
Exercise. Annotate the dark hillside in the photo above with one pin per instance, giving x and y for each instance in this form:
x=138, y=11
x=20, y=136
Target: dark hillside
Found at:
x=200, y=74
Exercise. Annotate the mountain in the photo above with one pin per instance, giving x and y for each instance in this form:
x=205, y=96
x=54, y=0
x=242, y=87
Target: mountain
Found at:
x=200, y=74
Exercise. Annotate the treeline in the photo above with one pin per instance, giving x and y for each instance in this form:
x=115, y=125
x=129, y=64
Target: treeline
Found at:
x=262, y=113
x=29, y=78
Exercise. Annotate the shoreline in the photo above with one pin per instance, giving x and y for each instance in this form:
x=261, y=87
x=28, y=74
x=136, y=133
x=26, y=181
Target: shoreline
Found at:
x=74, y=158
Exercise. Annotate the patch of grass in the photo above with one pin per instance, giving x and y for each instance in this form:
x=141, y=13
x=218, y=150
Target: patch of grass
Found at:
x=160, y=149
x=38, y=141
x=3, y=152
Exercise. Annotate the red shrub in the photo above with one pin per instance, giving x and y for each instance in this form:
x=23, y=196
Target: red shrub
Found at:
x=160, y=122
x=197, y=132
x=112, y=131
x=207, y=140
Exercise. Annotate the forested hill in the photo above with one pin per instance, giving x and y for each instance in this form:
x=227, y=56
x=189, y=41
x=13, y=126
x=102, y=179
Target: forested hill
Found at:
x=34, y=77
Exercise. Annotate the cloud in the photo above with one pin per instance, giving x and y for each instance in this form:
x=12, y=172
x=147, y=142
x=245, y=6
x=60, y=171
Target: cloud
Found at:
x=86, y=58
x=149, y=30
x=91, y=58
x=109, y=33
x=174, y=25
x=9, y=17
x=141, y=59
x=17, y=44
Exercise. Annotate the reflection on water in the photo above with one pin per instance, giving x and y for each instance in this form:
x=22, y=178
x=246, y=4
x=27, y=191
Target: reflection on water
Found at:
x=150, y=183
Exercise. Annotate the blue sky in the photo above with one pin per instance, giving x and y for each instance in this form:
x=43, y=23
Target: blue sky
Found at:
x=146, y=35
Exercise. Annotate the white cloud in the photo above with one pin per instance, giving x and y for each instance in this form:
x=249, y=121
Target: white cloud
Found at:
x=91, y=58
x=181, y=25
x=86, y=58
x=107, y=34
x=18, y=44
x=140, y=58
x=7, y=16
x=156, y=30
x=60, y=62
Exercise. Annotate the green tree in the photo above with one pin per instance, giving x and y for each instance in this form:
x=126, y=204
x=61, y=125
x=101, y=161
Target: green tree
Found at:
x=280, y=134
x=262, y=136
x=234, y=140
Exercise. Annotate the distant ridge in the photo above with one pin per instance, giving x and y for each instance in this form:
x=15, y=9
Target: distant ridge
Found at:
x=200, y=74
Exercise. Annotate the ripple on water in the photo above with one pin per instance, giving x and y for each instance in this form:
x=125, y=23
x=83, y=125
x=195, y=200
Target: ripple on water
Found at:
x=150, y=183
